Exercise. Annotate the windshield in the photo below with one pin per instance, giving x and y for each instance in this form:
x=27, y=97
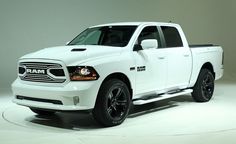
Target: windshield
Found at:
x=118, y=36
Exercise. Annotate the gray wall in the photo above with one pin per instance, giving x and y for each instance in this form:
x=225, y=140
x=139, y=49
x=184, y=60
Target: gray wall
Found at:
x=29, y=25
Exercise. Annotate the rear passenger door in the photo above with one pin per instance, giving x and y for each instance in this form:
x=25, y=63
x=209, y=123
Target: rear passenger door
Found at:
x=179, y=59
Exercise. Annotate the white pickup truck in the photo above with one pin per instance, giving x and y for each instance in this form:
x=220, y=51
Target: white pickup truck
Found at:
x=108, y=67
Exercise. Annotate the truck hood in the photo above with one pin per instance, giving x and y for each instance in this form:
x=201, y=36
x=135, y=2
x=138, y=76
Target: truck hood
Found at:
x=74, y=54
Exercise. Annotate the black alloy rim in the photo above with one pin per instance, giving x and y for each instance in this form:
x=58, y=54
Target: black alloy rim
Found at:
x=207, y=86
x=117, y=103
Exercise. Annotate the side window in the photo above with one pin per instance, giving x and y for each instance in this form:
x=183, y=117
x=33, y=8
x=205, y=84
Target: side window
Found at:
x=149, y=32
x=172, y=37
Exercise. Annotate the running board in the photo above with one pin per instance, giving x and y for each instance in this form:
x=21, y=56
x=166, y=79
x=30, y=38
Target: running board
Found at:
x=161, y=97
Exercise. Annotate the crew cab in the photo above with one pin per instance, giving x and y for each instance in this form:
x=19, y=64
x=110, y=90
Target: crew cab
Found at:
x=108, y=67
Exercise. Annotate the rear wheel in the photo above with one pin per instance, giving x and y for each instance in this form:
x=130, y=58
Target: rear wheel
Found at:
x=204, y=87
x=42, y=112
x=113, y=103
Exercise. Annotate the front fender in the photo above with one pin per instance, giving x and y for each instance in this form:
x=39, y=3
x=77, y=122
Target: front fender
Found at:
x=114, y=64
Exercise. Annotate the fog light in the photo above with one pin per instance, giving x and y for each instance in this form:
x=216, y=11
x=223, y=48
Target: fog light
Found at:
x=76, y=100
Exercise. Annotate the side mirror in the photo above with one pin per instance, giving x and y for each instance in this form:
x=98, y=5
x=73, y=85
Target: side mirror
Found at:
x=149, y=43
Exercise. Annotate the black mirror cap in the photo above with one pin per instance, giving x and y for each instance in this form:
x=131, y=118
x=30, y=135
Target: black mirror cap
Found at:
x=137, y=47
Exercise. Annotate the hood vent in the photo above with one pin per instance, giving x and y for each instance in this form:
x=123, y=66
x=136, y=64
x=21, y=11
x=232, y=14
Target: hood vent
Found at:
x=78, y=49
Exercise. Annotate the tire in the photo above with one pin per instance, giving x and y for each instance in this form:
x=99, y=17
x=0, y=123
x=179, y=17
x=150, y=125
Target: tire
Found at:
x=204, y=87
x=112, y=104
x=42, y=112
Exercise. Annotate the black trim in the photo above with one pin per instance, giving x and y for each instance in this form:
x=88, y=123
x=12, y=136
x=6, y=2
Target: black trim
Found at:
x=223, y=58
x=202, y=45
x=87, y=111
x=137, y=47
x=132, y=68
x=141, y=68
x=78, y=49
x=39, y=100
x=21, y=70
x=57, y=72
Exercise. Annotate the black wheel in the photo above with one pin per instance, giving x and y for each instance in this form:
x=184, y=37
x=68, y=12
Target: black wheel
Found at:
x=204, y=87
x=42, y=112
x=112, y=104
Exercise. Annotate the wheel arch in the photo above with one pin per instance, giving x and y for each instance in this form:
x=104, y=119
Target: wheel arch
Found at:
x=208, y=66
x=100, y=111
x=122, y=77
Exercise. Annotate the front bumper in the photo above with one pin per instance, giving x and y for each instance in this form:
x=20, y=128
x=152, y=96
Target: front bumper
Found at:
x=73, y=96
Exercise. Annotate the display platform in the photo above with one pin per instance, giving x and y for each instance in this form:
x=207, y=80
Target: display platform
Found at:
x=172, y=117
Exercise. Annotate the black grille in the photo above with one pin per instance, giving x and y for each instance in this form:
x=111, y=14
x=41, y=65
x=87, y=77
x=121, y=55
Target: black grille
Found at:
x=38, y=72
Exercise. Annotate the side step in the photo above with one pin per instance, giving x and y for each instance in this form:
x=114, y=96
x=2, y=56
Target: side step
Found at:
x=161, y=97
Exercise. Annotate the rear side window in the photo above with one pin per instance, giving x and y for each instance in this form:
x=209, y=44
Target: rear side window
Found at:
x=172, y=36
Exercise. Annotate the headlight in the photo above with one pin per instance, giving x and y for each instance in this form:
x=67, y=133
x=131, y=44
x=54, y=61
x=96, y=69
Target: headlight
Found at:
x=82, y=73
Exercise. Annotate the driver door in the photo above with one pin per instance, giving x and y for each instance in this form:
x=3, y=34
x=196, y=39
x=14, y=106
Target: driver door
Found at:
x=151, y=64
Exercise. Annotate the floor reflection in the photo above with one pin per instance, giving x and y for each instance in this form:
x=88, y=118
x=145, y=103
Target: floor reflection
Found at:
x=82, y=121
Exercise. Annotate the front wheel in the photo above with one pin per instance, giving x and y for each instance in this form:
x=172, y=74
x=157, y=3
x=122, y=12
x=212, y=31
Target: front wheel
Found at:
x=113, y=103
x=204, y=87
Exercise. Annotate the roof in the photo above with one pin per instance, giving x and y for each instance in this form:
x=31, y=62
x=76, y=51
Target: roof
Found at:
x=132, y=23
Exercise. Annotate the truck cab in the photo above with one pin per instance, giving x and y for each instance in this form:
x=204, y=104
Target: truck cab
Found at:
x=167, y=65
